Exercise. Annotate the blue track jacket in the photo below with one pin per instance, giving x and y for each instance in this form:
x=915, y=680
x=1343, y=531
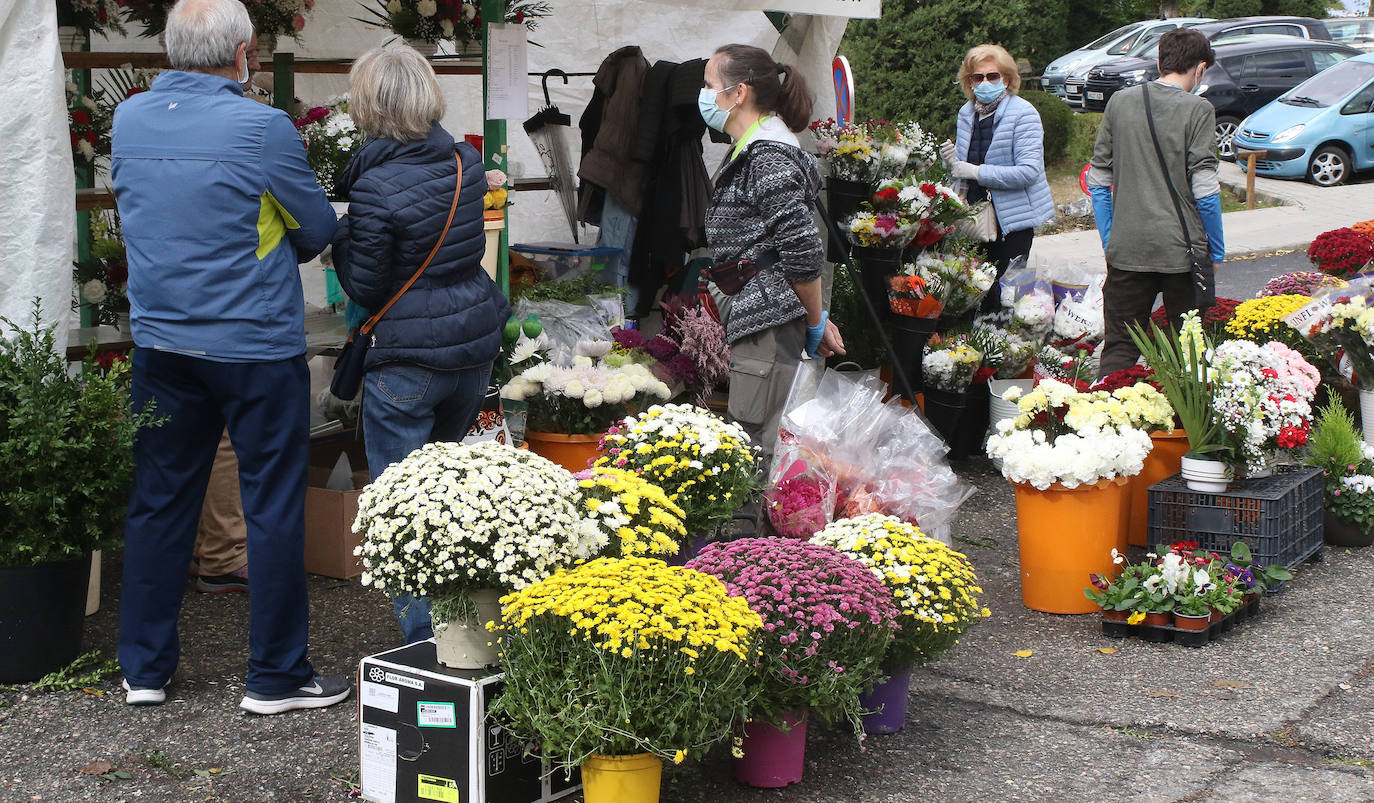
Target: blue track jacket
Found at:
x=218, y=206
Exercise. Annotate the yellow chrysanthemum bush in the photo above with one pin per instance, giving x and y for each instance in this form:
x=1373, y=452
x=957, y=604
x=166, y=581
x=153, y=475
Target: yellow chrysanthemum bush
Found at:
x=933, y=586
x=621, y=656
x=1261, y=320
x=706, y=465
x=637, y=516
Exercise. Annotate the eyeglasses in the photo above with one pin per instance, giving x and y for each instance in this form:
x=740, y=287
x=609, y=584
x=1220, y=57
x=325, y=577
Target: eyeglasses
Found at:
x=978, y=77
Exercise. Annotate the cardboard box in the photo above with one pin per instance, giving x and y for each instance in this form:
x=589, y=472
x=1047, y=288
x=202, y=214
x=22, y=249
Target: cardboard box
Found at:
x=425, y=735
x=329, y=537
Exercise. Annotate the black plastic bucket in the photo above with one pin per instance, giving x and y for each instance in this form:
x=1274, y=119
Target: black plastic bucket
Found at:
x=42, y=615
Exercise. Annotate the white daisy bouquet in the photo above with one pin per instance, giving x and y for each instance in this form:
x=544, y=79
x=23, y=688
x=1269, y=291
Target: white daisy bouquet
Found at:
x=450, y=519
x=331, y=138
x=1260, y=400
x=706, y=465
x=1066, y=436
x=586, y=397
x=949, y=363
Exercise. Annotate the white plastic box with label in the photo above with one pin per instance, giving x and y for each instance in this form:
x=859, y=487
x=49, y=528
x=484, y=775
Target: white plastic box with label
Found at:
x=425, y=735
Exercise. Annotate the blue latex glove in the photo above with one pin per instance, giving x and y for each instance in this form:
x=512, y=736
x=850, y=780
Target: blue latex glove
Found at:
x=1210, y=209
x=813, y=335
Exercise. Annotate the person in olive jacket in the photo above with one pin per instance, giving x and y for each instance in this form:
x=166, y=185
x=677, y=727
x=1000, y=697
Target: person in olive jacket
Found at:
x=432, y=353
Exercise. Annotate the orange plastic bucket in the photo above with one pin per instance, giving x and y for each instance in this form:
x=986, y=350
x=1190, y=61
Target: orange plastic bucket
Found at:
x=1064, y=536
x=1164, y=460
x=622, y=779
x=573, y=452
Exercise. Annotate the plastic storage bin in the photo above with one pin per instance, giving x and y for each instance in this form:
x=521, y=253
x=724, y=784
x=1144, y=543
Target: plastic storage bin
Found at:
x=568, y=260
x=1278, y=517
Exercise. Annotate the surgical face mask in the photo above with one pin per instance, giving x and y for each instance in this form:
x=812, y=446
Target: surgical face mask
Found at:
x=987, y=91
x=714, y=115
x=1198, y=86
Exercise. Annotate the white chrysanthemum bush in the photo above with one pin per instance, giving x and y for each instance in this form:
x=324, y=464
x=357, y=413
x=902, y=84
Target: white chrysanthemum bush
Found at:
x=450, y=519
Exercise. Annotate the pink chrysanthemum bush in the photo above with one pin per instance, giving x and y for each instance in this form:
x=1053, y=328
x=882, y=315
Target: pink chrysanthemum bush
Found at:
x=827, y=622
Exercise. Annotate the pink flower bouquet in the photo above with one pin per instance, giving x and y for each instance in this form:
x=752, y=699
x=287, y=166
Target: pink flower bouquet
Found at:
x=827, y=622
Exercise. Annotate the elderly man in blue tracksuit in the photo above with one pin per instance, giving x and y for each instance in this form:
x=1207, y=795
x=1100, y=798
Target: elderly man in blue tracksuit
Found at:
x=219, y=206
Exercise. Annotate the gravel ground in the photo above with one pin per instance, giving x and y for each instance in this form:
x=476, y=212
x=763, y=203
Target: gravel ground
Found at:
x=1282, y=704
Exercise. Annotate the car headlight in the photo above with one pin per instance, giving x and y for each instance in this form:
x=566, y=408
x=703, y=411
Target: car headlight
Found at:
x=1133, y=76
x=1288, y=133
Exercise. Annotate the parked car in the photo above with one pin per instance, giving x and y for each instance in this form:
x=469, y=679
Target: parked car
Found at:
x=1321, y=130
x=1078, y=76
x=1354, y=31
x=1108, y=77
x=1115, y=44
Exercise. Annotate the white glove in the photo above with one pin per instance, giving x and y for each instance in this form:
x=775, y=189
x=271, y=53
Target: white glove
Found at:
x=947, y=153
x=964, y=170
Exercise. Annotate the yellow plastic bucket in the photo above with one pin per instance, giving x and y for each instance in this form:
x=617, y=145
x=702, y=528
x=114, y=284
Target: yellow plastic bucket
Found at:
x=622, y=779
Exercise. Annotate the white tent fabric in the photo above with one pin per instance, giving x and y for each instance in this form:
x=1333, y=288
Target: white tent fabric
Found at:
x=37, y=214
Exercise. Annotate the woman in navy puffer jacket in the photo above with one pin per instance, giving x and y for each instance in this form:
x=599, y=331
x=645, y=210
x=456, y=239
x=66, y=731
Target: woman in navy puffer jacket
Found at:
x=428, y=367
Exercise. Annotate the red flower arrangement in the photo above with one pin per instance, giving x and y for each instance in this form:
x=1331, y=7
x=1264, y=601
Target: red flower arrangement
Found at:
x=1213, y=317
x=1341, y=252
x=1125, y=378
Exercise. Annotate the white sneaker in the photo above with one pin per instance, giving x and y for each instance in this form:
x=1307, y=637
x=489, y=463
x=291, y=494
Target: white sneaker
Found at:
x=143, y=695
x=322, y=692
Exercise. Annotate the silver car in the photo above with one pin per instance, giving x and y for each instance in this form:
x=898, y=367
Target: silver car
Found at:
x=1114, y=45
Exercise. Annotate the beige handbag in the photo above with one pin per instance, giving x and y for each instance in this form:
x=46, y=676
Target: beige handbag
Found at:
x=981, y=227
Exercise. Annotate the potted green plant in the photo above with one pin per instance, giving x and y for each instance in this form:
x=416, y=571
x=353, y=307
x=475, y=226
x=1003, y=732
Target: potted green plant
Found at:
x=1338, y=449
x=66, y=441
x=1117, y=597
x=1192, y=608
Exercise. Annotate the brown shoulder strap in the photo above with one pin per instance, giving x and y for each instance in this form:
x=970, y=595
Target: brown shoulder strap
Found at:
x=371, y=322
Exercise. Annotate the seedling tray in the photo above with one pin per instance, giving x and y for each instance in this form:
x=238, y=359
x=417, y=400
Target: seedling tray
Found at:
x=1159, y=634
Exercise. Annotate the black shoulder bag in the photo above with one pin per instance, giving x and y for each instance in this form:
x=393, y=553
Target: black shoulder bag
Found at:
x=350, y=366
x=1204, y=277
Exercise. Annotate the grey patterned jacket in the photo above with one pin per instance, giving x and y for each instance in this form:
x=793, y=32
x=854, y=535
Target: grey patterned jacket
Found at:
x=763, y=202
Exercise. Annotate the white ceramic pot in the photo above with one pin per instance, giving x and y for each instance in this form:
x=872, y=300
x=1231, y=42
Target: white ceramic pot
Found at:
x=467, y=644
x=1367, y=414
x=1207, y=476
x=425, y=49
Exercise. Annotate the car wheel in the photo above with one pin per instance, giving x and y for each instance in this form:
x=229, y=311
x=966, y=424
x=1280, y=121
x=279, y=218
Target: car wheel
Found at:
x=1330, y=166
x=1226, y=132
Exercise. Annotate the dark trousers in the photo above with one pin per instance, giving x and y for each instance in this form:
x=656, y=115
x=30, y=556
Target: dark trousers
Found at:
x=266, y=406
x=1128, y=297
x=1008, y=246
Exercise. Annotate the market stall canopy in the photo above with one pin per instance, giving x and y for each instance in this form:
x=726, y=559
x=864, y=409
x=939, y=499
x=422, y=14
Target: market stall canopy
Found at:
x=854, y=9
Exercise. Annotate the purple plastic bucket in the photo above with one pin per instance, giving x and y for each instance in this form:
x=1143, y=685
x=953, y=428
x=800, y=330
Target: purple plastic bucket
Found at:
x=772, y=758
x=887, y=701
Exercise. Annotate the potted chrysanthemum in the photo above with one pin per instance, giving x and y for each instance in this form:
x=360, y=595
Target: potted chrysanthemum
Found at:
x=463, y=524
x=705, y=464
x=621, y=662
x=934, y=588
x=827, y=624
x=636, y=516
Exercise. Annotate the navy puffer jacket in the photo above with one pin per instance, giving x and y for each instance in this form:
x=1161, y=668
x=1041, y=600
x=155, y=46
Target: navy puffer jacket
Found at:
x=399, y=196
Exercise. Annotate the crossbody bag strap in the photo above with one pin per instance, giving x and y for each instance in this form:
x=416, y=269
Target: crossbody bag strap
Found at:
x=1164, y=168
x=371, y=322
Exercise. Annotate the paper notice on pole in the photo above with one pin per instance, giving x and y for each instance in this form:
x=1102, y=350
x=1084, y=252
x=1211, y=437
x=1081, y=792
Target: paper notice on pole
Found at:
x=378, y=755
x=507, y=82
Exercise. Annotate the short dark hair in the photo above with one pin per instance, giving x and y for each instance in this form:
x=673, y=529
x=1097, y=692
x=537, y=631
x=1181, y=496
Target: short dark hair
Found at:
x=1182, y=48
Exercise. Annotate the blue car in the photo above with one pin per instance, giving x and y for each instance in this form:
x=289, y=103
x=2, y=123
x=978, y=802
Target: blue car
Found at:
x=1321, y=130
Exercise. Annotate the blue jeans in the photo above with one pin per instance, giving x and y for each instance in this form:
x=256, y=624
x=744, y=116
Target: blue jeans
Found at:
x=618, y=231
x=266, y=406
x=406, y=406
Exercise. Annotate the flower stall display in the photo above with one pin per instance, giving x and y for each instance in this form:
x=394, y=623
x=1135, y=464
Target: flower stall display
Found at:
x=570, y=406
x=706, y=465
x=88, y=17
x=1299, y=283
x=89, y=119
x=1070, y=455
x=873, y=151
x=622, y=662
x=460, y=524
x=636, y=516
x=1335, y=447
x=827, y=622
x=1340, y=325
x=425, y=23
x=1341, y=252
x=1261, y=397
x=958, y=278
x=947, y=369
x=102, y=280
x=1265, y=319
x=331, y=138
x=272, y=19
x=936, y=593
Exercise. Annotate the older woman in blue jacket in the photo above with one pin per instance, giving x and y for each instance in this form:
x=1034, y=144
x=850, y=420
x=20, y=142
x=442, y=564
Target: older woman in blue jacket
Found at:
x=431, y=359
x=999, y=152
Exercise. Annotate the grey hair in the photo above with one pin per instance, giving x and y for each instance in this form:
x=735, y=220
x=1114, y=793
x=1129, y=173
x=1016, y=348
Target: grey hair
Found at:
x=203, y=35
x=393, y=94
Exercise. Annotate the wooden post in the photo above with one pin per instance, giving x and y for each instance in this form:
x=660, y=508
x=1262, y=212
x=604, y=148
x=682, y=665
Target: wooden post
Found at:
x=1250, y=157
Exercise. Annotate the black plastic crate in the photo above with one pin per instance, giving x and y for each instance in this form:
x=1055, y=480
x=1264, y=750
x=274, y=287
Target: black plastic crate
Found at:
x=1278, y=517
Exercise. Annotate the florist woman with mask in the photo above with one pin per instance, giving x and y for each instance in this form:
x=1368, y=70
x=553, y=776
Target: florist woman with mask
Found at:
x=765, y=245
x=999, y=153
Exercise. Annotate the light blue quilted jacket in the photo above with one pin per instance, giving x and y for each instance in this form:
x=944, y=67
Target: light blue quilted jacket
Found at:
x=1014, y=169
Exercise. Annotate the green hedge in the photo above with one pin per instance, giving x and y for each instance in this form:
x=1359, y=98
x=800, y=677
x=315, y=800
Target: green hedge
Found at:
x=1082, y=136
x=1056, y=117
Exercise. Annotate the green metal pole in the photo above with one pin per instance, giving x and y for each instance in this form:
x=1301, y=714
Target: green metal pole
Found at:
x=85, y=179
x=283, y=80
x=494, y=140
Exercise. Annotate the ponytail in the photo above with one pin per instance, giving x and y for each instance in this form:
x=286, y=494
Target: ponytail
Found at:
x=777, y=88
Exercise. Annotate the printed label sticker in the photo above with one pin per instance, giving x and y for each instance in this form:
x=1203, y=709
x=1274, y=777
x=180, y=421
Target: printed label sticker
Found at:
x=436, y=715
x=442, y=789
